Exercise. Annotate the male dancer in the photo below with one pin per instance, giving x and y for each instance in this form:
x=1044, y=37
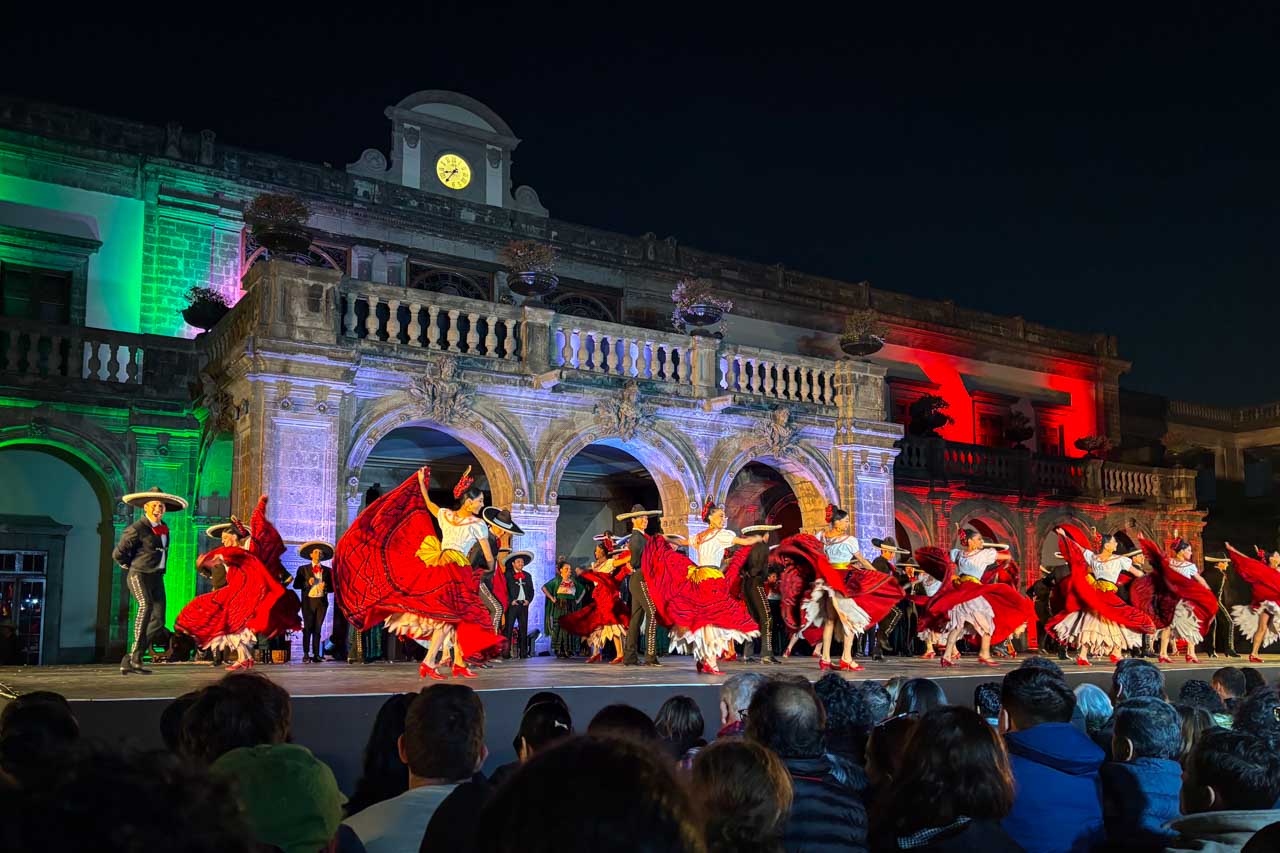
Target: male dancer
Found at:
x=519, y=594
x=642, y=608
x=314, y=582
x=493, y=582
x=1220, y=638
x=881, y=635
x=143, y=551
x=754, y=575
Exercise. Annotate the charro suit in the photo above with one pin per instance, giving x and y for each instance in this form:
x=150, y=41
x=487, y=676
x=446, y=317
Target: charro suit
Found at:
x=641, y=607
x=143, y=552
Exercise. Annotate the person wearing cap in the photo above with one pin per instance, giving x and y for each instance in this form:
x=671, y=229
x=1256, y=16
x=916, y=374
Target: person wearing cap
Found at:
x=644, y=615
x=881, y=634
x=754, y=575
x=143, y=552
x=1096, y=619
x=1185, y=594
x=604, y=616
x=314, y=582
x=290, y=798
x=520, y=591
x=1259, y=620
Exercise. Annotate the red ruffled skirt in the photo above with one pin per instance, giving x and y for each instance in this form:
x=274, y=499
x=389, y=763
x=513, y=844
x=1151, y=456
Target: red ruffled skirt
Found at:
x=705, y=618
x=993, y=607
x=604, y=616
x=1173, y=600
x=232, y=617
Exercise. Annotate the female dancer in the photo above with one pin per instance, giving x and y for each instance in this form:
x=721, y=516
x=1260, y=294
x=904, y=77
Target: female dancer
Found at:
x=706, y=620
x=604, y=617
x=265, y=544
x=1096, y=619
x=1261, y=618
x=709, y=545
x=1182, y=605
x=431, y=596
x=562, y=592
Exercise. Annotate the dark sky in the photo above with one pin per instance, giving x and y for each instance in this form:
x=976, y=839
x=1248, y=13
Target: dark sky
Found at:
x=1100, y=170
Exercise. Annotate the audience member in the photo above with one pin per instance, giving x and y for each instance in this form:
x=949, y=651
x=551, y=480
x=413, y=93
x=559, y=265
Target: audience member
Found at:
x=1229, y=792
x=289, y=797
x=954, y=788
x=1094, y=706
x=1252, y=680
x=680, y=726
x=1200, y=694
x=442, y=746
x=827, y=810
x=986, y=701
x=623, y=721
x=1230, y=684
x=37, y=731
x=1039, y=662
x=1136, y=677
x=382, y=772
x=878, y=701
x=919, y=695
x=1258, y=714
x=885, y=747
x=171, y=720
x=640, y=806
x=744, y=793
x=242, y=709
x=847, y=716
x=1266, y=840
x=1056, y=808
x=735, y=698
x=1140, y=787
x=112, y=801
x=541, y=725
x=1194, y=722
x=893, y=687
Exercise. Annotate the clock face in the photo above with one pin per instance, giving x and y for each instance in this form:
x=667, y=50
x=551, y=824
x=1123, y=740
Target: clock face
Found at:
x=453, y=171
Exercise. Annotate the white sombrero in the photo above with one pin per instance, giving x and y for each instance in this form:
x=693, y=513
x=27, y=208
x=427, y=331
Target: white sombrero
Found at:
x=760, y=528
x=172, y=503
x=637, y=511
x=305, y=549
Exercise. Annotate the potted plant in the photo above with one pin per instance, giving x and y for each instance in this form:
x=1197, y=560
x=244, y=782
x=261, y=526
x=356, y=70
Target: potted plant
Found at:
x=1179, y=451
x=1018, y=429
x=531, y=267
x=863, y=333
x=277, y=222
x=928, y=415
x=1094, y=446
x=697, y=306
x=205, y=308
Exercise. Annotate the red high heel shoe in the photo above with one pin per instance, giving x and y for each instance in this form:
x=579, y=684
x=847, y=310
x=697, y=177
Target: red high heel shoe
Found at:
x=596, y=658
x=986, y=661
x=824, y=665
x=1164, y=659
x=240, y=665
x=947, y=662
x=425, y=671
x=929, y=655
x=847, y=666
x=616, y=661
x=1254, y=659
x=1116, y=659
x=711, y=669
x=463, y=671
x=1081, y=660
x=1192, y=659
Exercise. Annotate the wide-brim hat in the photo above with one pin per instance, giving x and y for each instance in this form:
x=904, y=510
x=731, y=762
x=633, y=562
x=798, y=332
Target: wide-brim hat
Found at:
x=215, y=531
x=172, y=503
x=888, y=544
x=637, y=511
x=326, y=550
x=500, y=518
x=528, y=558
x=753, y=529
x=908, y=564
x=1216, y=558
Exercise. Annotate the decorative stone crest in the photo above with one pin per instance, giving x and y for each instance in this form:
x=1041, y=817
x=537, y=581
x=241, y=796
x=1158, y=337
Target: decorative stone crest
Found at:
x=221, y=408
x=780, y=437
x=353, y=488
x=625, y=414
x=440, y=395
x=39, y=428
x=411, y=135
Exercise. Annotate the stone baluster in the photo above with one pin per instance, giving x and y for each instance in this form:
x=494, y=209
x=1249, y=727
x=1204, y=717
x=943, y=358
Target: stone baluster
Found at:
x=473, y=332
x=113, y=361
x=491, y=336
x=54, y=365
x=605, y=347
x=566, y=349
x=371, y=321
x=644, y=363
x=349, y=319
x=415, y=328
x=786, y=381
x=133, y=367
x=95, y=360
x=11, y=352
x=686, y=365
x=627, y=361
x=737, y=373
x=452, y=335
x=393, y=321
x=433, y=327
x=509, y=339
x=770, y=381
x=582, y=359
x=33, y=354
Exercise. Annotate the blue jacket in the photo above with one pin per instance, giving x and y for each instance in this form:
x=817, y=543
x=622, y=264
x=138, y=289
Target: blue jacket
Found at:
x=1057, y=804
x=1139, y=798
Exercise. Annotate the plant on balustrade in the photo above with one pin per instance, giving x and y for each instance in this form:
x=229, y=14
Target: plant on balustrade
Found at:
x=863, y=333
x=1094, y=446
x=1179, y=450
x=531, y=268
x=277, y=221
x=928, y=415
x=205, y=307
x=1018, y=428
x=697, y=306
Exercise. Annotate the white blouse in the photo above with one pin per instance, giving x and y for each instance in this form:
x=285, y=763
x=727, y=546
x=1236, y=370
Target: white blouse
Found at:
x=460, y=534
x=709, y=548
x=974, y=565
x=1187, y=570
x=1107, y=570
x=840, y=550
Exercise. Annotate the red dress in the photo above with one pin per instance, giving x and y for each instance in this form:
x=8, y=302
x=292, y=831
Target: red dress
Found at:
x=705, y=618
x=873, y=593
x=1173, y=600
x=1265, y=583
x=265, y=544
x=232, y=616
x=1099, y=605
x=605, y=616
x=1010, y=610
x=379, y=575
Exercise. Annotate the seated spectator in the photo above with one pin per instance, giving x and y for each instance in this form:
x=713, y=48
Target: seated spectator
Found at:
x=846, y=713
x=744, y=792
x=885, y=746
x=1038, y=662
x=1194, y=722
x=1230, y=684
x=681, y=727
x=1140, y=787
x=827, y=809
x=637, y=804
x=542, y=724
x=382, y=773
x=893, y=687
x=289, y=797
x=242, y=709
x=37, y=731
x=1055, y=766
x=1229, y=792
x=919, y=695
x=1094, y=706
x=954, y=788
x=112, y=801
x=1252, y=680
x=171, y=720
x=735, y=698
x=625, y=722
x=986, y=701
x=1200, y=694
x=878, y=701
x=1259, y=714
x=442, y=746
x=1266, y=840
x=1133, y=677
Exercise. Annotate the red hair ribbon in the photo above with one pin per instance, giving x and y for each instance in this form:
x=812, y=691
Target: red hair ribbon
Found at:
x=707, y=508
x=831, y=512
x=607, y=542
x=241, y=531
x=464, y=483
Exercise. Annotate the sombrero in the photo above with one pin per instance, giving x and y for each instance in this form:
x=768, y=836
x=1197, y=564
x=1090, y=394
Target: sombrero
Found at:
x=760, y=528
x=888, y=544
x=1217, y=559
x=528, y=558
x=617, y=540
x=172, y=503
x=638, y=511
x=305, y=549
x=501, y=519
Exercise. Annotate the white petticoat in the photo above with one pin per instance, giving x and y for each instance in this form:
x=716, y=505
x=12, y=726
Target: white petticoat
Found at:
x=852, y=616
x=232, y=642
x=708, y=642
x=422, y=629
x=976, y=614
x=1247, y=619
x=599, y=636
x=1094, y=635
x=1185, y=625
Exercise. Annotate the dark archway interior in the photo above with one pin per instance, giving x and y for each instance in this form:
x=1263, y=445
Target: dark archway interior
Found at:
x=600, y=482
x=759, y=494
x=403, y=451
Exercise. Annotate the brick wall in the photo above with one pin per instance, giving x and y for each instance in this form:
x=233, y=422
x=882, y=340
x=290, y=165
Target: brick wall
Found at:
x=180, y=253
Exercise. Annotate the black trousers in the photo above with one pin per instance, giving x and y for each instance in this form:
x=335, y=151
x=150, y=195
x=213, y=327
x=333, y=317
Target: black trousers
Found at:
x=313, y=613
x=758, y=608
x=642, y=609
x=494, y=606
x=518, y=629
x=147, y=589
x=1221, y=636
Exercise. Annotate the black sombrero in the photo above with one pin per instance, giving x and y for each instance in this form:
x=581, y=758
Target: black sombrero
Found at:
x=528, y=558
x=172, y=503
x=501, y=519
x=888, y=544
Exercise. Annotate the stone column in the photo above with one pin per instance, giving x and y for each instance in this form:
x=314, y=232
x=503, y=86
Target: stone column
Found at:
x=539, y=524
x=862, y=451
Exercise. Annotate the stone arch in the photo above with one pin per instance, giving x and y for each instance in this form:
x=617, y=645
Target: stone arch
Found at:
x=1000, y=519
x=106, y=468
x=912, y=516
x=1137, y=525
x=1053, y=518
x=808, y=473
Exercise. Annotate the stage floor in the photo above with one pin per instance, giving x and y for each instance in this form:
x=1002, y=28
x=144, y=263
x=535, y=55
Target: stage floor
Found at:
x=334, y=704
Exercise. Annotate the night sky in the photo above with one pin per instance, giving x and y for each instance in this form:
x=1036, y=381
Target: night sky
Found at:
x=1118, y=171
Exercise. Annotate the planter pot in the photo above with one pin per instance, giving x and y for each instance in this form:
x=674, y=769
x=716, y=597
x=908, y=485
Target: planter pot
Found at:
x=533, y=286
x=279, y=238
x=863, y=346
x=203, y=315
x=697, y=317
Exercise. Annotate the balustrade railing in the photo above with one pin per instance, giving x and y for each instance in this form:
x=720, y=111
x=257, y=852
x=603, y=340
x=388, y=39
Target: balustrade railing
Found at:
x=430, y=321
x=611, y=349
x=777, y=376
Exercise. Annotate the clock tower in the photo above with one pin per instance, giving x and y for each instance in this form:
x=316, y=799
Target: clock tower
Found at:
x=451, y=145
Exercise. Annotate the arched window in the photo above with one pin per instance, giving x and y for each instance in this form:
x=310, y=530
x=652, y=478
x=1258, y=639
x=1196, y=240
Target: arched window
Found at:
x=581, y=305
x=451, y=283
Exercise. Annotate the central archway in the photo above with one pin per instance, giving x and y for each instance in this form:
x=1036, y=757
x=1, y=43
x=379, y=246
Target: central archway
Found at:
x=760, y=494
x=600, y=481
